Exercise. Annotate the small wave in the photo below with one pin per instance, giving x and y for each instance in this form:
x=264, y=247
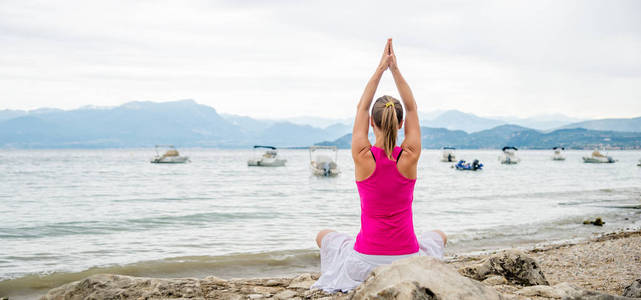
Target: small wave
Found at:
x=276, y=263
x=624, y=191
x=138, y=224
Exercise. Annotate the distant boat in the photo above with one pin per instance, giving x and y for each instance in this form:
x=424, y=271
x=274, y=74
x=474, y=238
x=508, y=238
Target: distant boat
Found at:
x=171, y=156
x=558, y=153
x=268, y=159
x=321, y=161
x=448, y=154
x=474, y=166
x=639, y=164
x=509, y=156
x=598, y=158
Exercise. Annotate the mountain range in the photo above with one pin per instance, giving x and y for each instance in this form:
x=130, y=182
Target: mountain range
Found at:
x=521, y=137
x=186, y=123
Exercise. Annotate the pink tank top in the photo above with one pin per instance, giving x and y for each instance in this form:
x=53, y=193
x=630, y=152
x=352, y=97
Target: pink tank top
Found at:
x=387, y=227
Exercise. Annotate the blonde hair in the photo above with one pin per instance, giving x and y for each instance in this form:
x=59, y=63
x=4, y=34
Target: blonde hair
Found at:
x=387, y=113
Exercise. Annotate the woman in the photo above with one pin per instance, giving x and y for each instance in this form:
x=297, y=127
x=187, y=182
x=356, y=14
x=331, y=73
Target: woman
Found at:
x=385, y=178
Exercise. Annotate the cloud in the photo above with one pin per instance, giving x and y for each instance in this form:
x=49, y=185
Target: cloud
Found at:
x=287, y=58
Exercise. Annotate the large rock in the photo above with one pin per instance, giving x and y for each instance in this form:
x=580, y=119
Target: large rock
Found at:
x=633, y=290
x=516, y=266
x=421, y=278
x=107, y=286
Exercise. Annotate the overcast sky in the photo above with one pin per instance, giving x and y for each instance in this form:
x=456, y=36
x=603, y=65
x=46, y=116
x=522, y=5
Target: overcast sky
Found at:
x=292, y=58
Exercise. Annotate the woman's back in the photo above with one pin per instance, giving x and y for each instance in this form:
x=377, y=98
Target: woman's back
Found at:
x=385, y=177
x=386, y=209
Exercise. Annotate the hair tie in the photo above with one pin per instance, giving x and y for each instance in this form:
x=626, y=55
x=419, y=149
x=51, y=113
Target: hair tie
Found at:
x=391, y=103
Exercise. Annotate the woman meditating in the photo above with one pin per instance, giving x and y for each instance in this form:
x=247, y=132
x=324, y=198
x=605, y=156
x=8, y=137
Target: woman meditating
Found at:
x=385, y=178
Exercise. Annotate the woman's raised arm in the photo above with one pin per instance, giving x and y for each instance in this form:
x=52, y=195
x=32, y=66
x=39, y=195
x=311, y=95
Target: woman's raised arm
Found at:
x=360, y=142
x=412, y=142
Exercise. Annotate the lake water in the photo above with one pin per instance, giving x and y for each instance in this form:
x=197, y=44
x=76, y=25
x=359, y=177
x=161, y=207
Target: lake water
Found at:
x=66, y=214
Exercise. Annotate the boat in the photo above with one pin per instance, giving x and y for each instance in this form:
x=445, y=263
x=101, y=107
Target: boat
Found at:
x=321, y=161
x=171, y=156
x=558, y=153
x=474, y=166
x=639, y=164
x=509, y=156
x=598, y=158
x=448, y=154
x=269, y=158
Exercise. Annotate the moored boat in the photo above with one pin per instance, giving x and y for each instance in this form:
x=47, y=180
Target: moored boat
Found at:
x=448, y=154
x=321, y=161
x=598, y=158
x=269, y=158
x=509, y=156
x=558, y=153
x=473, y=166
x=171, y=156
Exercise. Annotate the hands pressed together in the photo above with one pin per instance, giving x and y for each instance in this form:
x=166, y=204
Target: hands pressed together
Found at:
x=388, y=60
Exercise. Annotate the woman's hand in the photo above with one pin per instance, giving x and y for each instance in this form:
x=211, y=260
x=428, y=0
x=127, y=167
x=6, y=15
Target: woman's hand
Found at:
x=392, y=57
x=386, y=57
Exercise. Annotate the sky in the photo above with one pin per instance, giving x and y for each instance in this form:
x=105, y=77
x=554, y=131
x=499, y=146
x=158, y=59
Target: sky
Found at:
x=313, y=58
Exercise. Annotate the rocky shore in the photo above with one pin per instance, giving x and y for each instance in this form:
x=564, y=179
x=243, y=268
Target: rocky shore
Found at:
x=607, y=267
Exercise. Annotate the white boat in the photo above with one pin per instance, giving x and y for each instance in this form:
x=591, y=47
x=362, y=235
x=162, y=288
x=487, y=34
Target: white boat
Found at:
x=269, y=158
x=509, y=156
x=598, y=158
x=558, y=153
x=321, y=161
x=171, y=156
x=448, y=154
x=639, y=164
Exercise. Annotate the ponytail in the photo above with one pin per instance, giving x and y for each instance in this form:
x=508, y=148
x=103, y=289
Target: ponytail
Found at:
x=387, y=113
x=389, y=126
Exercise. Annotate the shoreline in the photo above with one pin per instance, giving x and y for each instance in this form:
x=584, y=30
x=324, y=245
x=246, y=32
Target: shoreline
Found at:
x=605, y=263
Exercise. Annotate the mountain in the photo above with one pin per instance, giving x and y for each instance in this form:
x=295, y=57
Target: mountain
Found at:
x=248, y=124
x=142, y=124
x=8, y=114
x=457, y=120
x=541, y=122
x=628, y=125
x=133, y=124
x=318, y=121
x=290, y=134
x=521, y=137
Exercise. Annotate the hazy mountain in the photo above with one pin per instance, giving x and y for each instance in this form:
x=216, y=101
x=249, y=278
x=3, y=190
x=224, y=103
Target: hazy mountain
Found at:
x=248, y=124
x=629, y=125
x=294, y=135
x=521, y=137
x=8, y=114
x=344, y=142
x=430, y=115
x=143, y=124
x=318, y=122
x=457, y=120
x=541, y=122
x=133, y=124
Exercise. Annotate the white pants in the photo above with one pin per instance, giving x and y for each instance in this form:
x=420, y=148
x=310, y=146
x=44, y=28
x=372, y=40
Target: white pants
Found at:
x=343, y=269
